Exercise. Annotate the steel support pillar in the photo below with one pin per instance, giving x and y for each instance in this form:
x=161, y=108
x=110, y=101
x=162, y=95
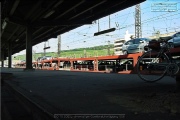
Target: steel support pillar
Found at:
x=2, y=58
x=71, y=68
x=28, y=48
x=96, y=65
x=178, y=82
x=9, y=54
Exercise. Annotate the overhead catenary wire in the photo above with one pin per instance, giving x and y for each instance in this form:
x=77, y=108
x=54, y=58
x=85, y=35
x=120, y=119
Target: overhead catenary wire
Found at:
x=147, y=20
x=75, y=38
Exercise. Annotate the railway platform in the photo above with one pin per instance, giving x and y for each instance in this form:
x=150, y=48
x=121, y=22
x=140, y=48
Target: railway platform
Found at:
x=67, y=93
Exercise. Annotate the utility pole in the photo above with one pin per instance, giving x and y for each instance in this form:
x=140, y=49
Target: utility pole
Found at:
x=108, y=50
x=138, y=31
x=85, y=55
x=59, y=45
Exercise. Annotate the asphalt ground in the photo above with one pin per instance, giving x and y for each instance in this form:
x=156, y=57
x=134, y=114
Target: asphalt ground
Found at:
x=84, y=93
x=11, y=108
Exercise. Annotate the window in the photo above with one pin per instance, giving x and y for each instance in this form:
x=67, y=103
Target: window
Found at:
x=177, y=35
x=119, y=42
x=117, y=45
x=137, y=41
x=130, y=42
x=118, y=50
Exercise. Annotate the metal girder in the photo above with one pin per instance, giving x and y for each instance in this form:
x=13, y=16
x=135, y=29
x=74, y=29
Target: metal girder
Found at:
x=61, y=1
x=33, y=9
x=15, y=5
x=81, y=2
x=20, y=35
x=56, y=32
x=87, y=9
x=42, y=12
x=39, y=29
x=111, y=10
x=13, y=33
x=58, y=23
x=43, y=33
x=58, y=3
x=50, y=9
x=17, y=21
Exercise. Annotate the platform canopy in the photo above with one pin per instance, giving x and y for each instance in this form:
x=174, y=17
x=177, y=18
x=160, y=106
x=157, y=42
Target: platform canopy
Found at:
x=49, y=18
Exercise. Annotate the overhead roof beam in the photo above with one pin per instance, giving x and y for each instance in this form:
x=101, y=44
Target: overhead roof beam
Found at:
x=52, y=30
x=88, y=9
x=37, y=31
x=70, y=9
x=58, y=23
x=13, y=33
x=15, y=5
x=33, y=9
x=51, y=9
x=19, y=36
x=60, y=2
x=43, y=11
x=43, y=33
x=17, y=21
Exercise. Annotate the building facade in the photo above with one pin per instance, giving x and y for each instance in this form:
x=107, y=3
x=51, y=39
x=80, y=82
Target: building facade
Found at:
x=118, y=46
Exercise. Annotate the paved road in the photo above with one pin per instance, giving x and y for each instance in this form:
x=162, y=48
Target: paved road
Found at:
x=99, y=93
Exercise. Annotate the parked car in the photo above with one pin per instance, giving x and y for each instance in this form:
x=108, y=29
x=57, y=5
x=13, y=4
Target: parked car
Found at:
x=44, y=58
x=47, y=57
x=66, y=64
x=175, y=40
x=135, y=45
x=39, y=59
x=125, y=65
x=23, y=61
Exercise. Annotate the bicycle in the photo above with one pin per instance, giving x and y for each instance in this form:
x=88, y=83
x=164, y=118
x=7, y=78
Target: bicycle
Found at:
x=157, y=62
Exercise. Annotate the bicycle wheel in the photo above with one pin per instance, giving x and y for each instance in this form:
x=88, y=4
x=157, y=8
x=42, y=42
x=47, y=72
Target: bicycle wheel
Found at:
x=152, y=66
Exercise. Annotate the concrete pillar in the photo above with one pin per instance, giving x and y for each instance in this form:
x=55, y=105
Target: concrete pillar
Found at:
x=2, y=58
x=2, y=63
x=9, y=55
x=28, y=47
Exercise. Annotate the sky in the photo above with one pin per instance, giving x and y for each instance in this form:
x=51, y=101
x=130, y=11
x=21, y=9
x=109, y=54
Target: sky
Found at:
x=154, y=17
